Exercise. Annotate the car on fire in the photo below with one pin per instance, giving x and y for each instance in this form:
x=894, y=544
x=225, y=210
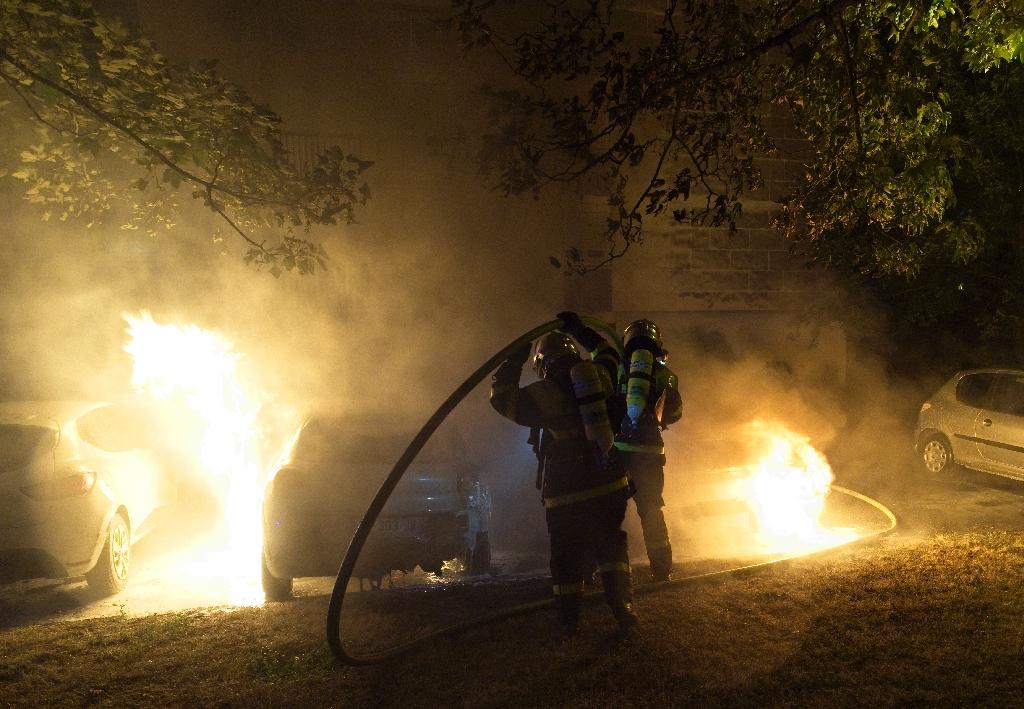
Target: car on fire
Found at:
x=439, y=511
x=79, y=485
x=975, y=419
x=707, y=478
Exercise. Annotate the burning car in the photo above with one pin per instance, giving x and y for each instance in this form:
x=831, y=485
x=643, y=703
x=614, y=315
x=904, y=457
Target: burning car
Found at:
x=758, y=488
x=439, y=511
x=976, y=419
x=78, y=486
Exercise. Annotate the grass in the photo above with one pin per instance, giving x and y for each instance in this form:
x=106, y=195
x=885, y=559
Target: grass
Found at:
x=925, y=620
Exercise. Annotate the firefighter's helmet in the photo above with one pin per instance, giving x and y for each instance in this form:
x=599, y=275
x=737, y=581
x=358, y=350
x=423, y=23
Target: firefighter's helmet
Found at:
x=554, y=349
x=642, y=334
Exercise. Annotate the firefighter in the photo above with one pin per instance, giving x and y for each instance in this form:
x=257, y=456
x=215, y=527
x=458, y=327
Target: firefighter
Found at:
x=652, y=402
x=583, y=491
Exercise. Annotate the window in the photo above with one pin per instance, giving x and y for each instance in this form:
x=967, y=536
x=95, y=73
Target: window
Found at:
x=113, y=429
x=973, y=389
x=341, y=440
x=1009, y=396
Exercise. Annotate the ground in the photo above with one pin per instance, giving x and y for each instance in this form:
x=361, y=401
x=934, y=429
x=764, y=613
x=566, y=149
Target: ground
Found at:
x=928, y=616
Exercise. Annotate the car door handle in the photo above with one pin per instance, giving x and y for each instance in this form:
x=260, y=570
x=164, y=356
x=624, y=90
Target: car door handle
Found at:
x=986, y=422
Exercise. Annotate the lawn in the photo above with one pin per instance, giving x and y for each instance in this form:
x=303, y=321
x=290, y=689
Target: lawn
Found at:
x=923, y=619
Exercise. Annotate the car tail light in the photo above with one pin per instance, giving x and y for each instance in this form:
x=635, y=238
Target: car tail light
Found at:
x=288, y=479
x=69, y=484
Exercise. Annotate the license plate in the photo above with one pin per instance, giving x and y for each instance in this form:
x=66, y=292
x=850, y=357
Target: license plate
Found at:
x=402, y=526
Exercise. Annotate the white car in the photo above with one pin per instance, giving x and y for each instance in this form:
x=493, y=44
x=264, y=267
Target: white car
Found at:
x=78, y=486
x=976, y=419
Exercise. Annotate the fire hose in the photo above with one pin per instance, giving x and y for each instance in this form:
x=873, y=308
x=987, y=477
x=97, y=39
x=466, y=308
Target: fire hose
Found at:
x=355, y=547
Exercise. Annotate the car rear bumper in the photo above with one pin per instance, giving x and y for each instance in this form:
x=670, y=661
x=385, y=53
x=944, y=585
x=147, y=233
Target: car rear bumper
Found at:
x=62, y=538
x=20, y=564
x=309, y=542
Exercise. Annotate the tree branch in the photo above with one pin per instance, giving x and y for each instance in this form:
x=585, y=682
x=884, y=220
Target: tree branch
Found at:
x=852, y=77
x=906, y=33
x=137, y=139
x=777, y=40
x=661, y=158
x=219, y=210
x=13, y=83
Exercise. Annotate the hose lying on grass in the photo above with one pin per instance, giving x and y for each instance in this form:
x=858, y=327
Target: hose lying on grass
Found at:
x=355, y=547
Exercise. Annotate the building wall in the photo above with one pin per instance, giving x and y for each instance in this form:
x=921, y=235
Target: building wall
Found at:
x=388, y=82
x=745, y=286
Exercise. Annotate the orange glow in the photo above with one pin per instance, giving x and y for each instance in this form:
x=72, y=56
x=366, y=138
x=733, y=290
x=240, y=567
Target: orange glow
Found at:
x=211, y=418
x=787, y=489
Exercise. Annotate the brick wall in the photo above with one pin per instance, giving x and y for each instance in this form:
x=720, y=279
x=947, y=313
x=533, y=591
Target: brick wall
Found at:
x=686, y=269
x=680, y=268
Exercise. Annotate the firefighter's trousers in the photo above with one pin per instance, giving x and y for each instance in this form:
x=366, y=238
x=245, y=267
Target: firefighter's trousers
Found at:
x=590, y=526
x=648, y=476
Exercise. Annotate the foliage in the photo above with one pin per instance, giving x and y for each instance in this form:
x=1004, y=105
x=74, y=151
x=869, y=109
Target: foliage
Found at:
x=916, y=175
x=911, y=109
x=117, y=128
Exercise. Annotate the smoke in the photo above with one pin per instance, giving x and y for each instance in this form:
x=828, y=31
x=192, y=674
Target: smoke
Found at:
x=824, y=373
x=438, y=274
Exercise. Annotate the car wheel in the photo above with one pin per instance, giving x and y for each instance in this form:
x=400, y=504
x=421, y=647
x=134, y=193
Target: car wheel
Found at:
x=274, y=588
x=110, y=575
x=480, y=558
x=937, y=455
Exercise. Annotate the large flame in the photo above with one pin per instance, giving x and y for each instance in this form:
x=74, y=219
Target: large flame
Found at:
x=212, y=418
x=787, y=490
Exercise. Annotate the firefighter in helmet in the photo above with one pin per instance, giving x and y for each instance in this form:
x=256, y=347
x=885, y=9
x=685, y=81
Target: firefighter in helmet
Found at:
x=652, y=402
x=583, y=491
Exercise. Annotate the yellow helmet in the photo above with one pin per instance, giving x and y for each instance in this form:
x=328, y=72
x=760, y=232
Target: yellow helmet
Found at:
x=551, y=348
x=642, y=334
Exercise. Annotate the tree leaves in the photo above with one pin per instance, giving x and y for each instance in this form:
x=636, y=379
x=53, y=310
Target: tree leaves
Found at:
x=107, y=103
x=912, y=112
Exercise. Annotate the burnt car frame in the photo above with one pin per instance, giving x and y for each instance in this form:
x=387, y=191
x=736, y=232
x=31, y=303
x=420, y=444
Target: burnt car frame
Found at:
x=439, y=511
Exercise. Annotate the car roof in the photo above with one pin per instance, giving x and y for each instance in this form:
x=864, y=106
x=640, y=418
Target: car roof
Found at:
x=45, y=413
x=368, y=422
x=990, y=370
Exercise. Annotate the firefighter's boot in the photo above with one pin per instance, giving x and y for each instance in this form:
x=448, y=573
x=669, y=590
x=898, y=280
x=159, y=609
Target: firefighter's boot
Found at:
x=618, y=592
x=661, y=562
x=568, y=607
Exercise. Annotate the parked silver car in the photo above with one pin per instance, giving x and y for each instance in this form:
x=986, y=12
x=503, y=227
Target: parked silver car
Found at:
x=439, y=511
x=78, y=486
x=976, y=420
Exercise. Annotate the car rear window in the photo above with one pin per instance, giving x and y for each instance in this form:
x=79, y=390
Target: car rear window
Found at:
x=973, y=389
x=113, y=428
x=20, y=444
x=1009, y=397
x=321, y=441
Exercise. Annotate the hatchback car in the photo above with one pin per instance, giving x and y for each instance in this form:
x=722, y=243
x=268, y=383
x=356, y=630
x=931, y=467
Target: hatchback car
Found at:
x=439, y=511
x=976, y=419
x=78, y=486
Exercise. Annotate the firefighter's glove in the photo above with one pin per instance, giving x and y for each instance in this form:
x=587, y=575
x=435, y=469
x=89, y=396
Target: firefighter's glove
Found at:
x=512, y=368
x=508, y=373
x=519, y=357
x=571, y=323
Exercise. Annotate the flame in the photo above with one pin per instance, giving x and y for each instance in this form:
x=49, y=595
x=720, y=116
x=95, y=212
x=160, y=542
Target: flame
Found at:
x=193, y=375
x=787, y=490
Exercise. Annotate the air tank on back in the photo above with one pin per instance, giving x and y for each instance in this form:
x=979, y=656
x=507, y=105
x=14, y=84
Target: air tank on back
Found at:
x=590, y=398
x=638, y=385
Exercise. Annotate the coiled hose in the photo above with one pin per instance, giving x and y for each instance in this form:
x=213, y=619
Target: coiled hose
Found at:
x=355, y=547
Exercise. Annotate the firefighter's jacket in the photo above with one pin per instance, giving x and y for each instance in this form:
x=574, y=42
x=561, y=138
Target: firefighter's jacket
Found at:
x=644, y=440
x=574, y=469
